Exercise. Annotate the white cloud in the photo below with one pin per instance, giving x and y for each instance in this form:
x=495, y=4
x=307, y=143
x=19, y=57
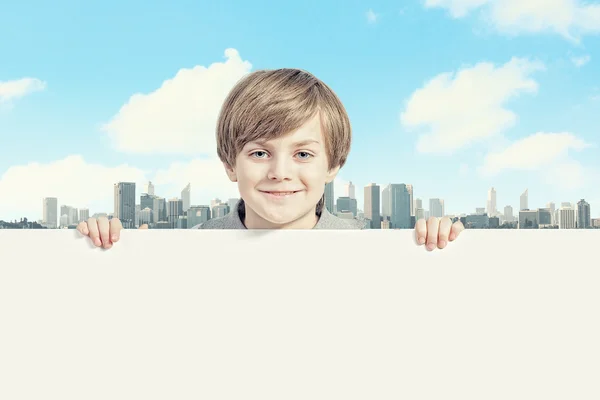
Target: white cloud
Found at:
x=80, y=184
x=547, y=153
x=207, y=178
x=468, y=106
x=180, y=116
x=15, y=89
x=568, y=18
x=371, y=16
x=457, y=8
x=580, y=61
x=72, y=180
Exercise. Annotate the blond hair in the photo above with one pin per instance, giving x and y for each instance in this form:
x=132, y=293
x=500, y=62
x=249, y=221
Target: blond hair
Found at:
x=267, y=104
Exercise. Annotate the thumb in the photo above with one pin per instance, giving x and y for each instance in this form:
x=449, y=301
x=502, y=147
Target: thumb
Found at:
x=145, y=226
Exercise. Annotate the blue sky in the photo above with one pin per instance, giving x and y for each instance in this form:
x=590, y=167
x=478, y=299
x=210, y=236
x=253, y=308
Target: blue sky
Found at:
x=452, y=96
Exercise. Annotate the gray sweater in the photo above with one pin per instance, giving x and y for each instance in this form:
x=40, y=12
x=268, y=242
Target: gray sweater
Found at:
x=233, y=220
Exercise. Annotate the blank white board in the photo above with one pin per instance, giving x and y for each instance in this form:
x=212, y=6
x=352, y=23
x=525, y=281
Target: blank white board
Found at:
x=200, y=314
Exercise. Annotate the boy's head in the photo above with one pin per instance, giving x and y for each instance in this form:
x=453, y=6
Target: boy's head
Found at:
x=282, y=130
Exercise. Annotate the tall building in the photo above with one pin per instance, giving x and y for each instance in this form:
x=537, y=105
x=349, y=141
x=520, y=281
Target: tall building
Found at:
x=231, y=203
x=436, y=208
x=145, y=216
x=220, y=210
x=84, y=214
x=124, y=206
x=584, y=218
x=71, y=215
x=528, y=219
x=372, y=201
x=197, y=215
x=329, y=197
x=50, y=212
x=508, y=213
x=524, y=200
x=418, y=208
x=567, y=217
x=552, y=207
x=175, y=210
x=399, y=198
x=386, y=202
x=410, y=199
x=491, y=202
x=350, y=190
x=150, y=189
x=185, y=197
x=346, y=205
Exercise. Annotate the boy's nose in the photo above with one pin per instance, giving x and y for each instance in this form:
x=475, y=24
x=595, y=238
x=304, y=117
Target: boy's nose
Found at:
x=280, y=169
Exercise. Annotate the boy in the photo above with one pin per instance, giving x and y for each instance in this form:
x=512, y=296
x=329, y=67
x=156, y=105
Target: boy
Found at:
x=282, y=135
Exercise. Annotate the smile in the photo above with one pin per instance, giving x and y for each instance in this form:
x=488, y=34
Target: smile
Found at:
x=279, y=194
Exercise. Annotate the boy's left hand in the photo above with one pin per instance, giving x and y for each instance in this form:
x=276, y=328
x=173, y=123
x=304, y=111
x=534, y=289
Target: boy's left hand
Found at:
x=437, y=232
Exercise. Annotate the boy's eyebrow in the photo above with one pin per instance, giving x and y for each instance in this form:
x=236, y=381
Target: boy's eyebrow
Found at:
x=262, y=142
x=305, y=142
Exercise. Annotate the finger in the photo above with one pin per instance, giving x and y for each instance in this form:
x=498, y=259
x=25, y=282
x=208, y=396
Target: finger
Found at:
x=457, y=228
x=444, y=232
x=145, y=226
x=83, y=228
x=432, y=232
x=104, y=229
x=115, y=229
x=92, y=225
x=421, y=230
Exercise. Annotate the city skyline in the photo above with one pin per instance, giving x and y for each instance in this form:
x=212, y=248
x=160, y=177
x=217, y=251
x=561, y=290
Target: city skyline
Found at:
x=392, y=206
x=437, y=96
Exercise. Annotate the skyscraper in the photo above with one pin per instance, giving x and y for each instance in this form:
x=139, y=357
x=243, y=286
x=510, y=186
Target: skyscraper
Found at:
x=386, y=202
x=552, y=208
x=329, y=197
x=350, y=190
x=150, y=188
x=124, y=196
x=410, y=199
x=524, y=200
x=491, y=203
x=399, y=198
x=50, y=212
x=584, y=219
x=436, y=208
x=372, y=202
x=185, y=197
x=508, y=213
x=567, y=218
x=175, y=210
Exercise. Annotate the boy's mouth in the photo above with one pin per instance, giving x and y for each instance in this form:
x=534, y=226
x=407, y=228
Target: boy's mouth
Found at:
x=280, y=193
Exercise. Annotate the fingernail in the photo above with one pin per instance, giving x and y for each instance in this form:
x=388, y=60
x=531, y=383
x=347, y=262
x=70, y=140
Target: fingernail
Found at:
x=442, y=244
x=431, y=246
x=421, y=240
x=451, y=236
x=114, y=237
x=97, y=242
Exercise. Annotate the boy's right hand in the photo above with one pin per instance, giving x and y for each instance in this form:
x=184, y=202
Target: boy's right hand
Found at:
x=102, y=231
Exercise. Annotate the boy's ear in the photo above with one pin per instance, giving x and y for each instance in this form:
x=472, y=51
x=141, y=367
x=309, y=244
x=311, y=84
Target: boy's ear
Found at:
x=230, y=172
x=331, y=174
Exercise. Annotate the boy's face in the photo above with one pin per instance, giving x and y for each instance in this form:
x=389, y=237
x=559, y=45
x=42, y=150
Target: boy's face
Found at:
x=282, y=180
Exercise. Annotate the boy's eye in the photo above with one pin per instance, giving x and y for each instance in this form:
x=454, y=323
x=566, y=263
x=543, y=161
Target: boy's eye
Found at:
x=304, y=155
x=259, y=154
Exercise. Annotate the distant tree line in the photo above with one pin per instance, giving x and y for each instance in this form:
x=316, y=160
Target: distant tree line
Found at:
x=22, y=224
